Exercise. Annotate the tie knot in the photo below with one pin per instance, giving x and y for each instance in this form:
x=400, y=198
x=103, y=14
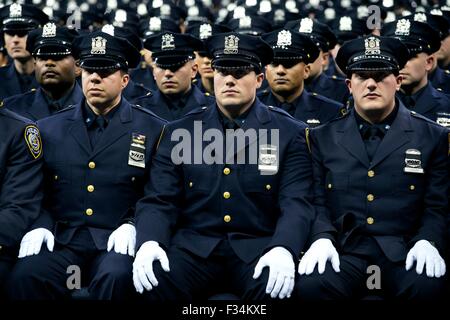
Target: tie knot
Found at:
x=101, y=122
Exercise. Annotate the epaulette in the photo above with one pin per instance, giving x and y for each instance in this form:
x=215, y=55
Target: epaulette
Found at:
x=279, y=110
x=149, y=112
x=264, y=93
x=421, y=117
x=69, y=107
x=195, y=111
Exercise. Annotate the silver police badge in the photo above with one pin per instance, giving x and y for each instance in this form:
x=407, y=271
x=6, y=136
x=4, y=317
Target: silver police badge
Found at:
x=15, y=10
x=413, y=161
x=372, y=46
x=167, y=42
x=402, y=27
x=205, y=31
x=98, y=45
x=231, y=45
x=306, y=25
x=345, y=24
x=268, y=159
x=154, y=24
x=49, y=30
x=284, y=39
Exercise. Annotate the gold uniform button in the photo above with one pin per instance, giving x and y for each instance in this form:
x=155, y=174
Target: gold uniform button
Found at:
x=412, y=187
x=91, y=165
x=227, y=218
x=371, y=173
x=89, y=212
x=191, y=184
x=370, y=197
x=268, y=187
x=226, y=171
x=329, y=186
x=90, y=188
x=370, y=220
x=226, y=195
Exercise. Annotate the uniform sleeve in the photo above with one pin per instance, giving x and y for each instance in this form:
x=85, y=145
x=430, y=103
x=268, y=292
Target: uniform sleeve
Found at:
x=322, y=226
x=434, y=218
x=295, y=197
x=21, y=191
x=157, y=211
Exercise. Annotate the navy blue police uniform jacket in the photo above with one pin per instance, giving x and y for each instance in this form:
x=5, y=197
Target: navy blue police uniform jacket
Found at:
x=20, y=176
x=195, y=206
x=95, y=188
x=433, y=105
x=440, y=80
x=333, y=87
x=356, y=197
x=10, y=82
x=158, y=105
x=311, y=108
x=35, y=106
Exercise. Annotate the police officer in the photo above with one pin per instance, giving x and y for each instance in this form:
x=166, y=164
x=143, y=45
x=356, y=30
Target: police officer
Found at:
x=98, y=156
x=202, y=31
x=292, y=54
x=55, y=71
x=20, y=190
x=417, y=93
x=143, y=74
x=174, y=68
x=381, y=194
x=231, y=223
x=134, y=91
x=16, y=21
x=318, y=82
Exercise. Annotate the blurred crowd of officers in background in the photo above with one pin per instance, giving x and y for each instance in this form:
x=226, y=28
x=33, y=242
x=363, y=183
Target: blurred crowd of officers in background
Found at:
x=91, y=92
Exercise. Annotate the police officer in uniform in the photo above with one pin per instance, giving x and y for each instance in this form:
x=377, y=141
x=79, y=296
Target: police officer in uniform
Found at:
x=16, y=21
x=380, y=183
x=174, y=68
x=318, y=82
x=202, y=31
x=292, y=54
x=227, y=222
x=21, y=182
x=55, y=71
x=98, y=157
x=417, y=92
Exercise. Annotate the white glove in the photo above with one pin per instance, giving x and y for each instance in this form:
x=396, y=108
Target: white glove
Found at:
x=32, y=242
x=143, y=276
x=425, y=254
x=281, y=272
x=123, y=239
x=319, y=253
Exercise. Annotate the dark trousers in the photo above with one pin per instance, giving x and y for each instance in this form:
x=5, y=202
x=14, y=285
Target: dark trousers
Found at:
x=7, y=260
x=192, y=278
x=351, y=281
x=45, y=276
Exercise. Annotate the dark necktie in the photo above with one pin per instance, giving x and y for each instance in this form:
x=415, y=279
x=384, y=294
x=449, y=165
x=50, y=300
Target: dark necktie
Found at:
x=372, y=136
x=98, y=128
x=409, y=101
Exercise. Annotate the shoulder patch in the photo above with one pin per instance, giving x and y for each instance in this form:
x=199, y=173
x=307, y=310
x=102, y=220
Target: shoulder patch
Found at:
x=33, y=140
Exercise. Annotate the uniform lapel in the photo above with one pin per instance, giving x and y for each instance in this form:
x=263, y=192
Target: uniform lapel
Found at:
x=350, y=139
x=395, y=137
x=78, y=129
x=39, y=108
x=119, y=126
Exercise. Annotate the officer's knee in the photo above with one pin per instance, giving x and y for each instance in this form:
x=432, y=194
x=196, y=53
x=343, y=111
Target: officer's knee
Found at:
x=423, y=288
